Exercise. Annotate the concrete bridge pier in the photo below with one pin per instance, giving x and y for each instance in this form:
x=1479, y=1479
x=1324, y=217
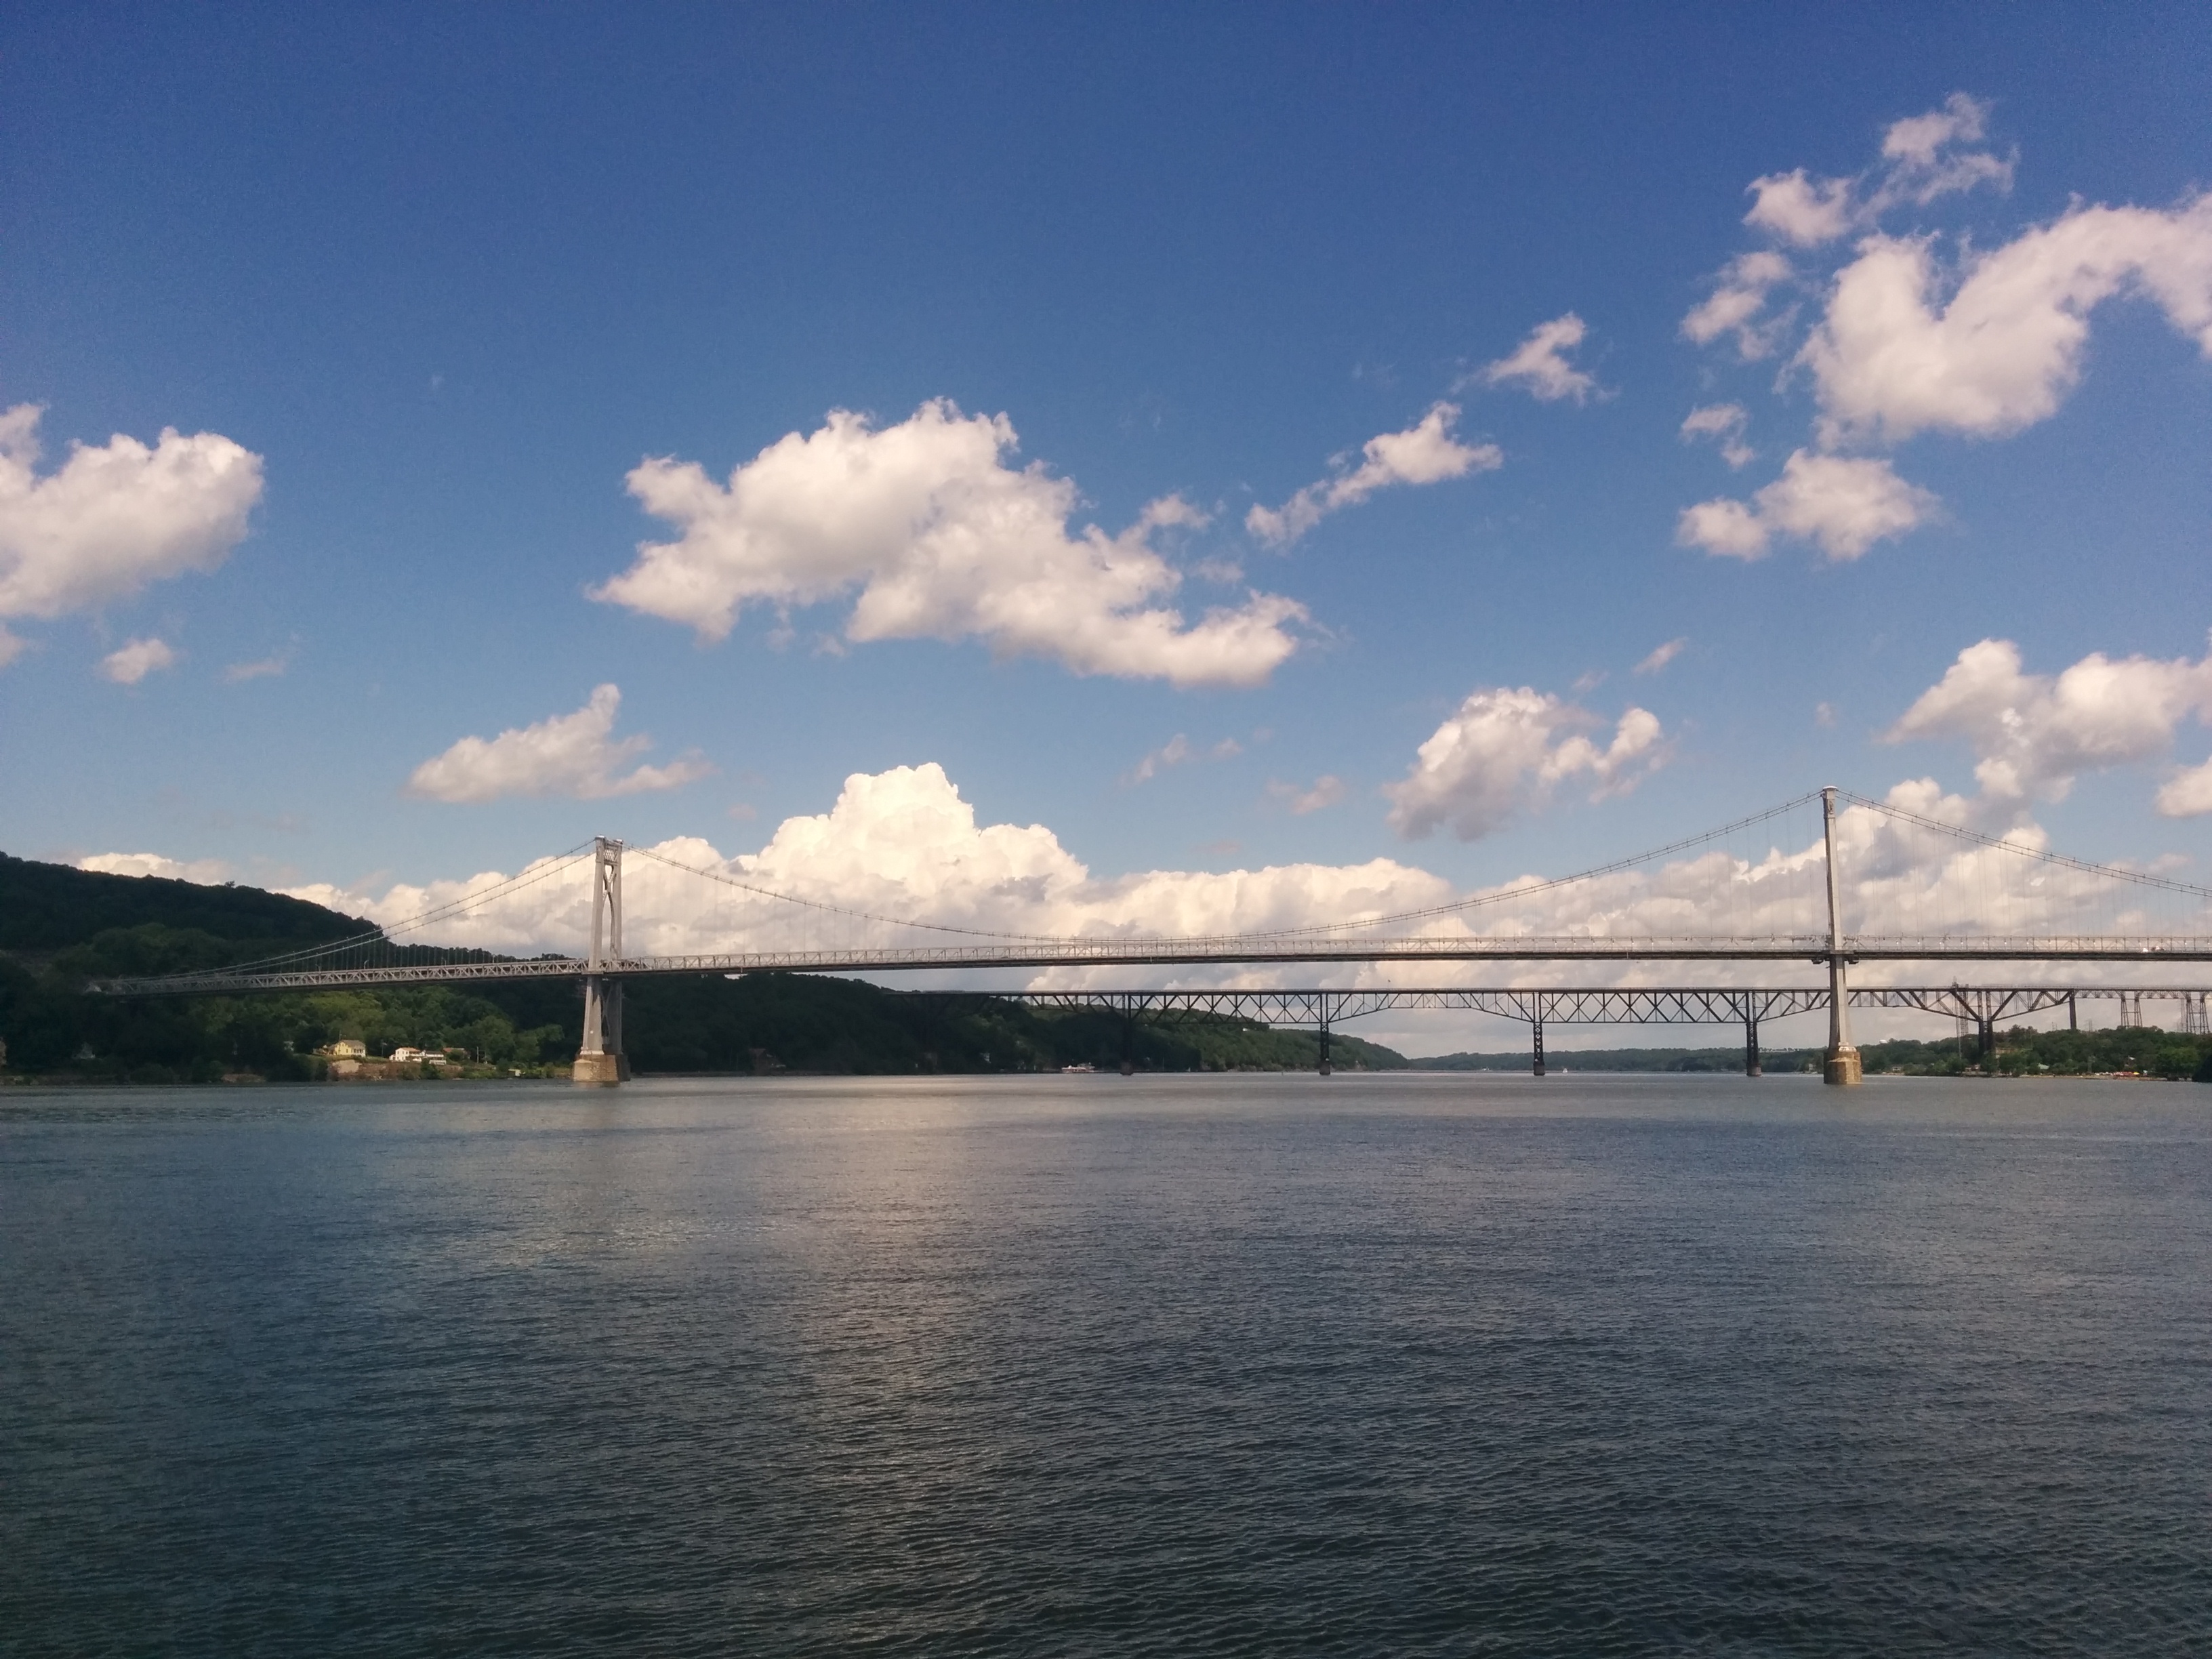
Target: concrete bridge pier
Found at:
x=1536, y=1042
x=1843, y=1068
x=601, y=1060
x=1751, y=1065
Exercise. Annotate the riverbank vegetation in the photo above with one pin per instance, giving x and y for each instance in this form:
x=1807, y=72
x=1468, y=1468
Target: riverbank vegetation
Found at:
x=2120, y=1051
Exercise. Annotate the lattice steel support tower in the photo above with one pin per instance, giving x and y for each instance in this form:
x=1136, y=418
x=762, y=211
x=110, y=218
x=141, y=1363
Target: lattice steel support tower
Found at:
x=1843, y=1067
x=601, y=1060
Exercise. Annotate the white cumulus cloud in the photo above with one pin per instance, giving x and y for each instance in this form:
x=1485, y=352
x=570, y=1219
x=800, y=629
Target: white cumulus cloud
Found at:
x=137, y=659
x=1539, y=364
x=573, y=755
x=1845, y=504
x=901, y=843
x=1983, y=344
x=1891, y=357
x=115, y=516
x=2033, y=734
x=1424, y=453
x=1505, y=750
x=1662, y=655
x=2188, y=794
x=944, y=540
x=1912, y=339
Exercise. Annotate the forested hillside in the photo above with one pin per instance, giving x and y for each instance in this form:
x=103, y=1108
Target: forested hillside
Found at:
x=46, y=908
x=74, y=926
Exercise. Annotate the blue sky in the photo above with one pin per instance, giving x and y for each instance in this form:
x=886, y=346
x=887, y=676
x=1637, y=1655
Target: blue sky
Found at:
x=451, y=274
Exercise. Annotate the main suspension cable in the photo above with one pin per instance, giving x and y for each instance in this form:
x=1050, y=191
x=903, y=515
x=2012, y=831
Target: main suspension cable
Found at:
x=1455, y=906
x=2141, y=879
x=446, y=911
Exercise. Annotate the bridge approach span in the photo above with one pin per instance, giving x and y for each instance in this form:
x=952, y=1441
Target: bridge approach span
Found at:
x=1980, y=1006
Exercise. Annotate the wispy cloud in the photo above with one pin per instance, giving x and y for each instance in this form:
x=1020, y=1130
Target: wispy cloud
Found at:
x=261, y=669
x=1179, y=751
x=1539, y=364
x=135, y=661
x=1735, y=305
x=1725, y=424
x=1424, y=453
x=1921, y=160
x=1326, y=791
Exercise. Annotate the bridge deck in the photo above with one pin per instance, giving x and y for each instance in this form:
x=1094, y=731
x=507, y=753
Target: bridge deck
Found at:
x=1104, y=953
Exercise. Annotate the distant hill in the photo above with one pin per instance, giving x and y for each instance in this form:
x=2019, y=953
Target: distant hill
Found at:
x=50, y=907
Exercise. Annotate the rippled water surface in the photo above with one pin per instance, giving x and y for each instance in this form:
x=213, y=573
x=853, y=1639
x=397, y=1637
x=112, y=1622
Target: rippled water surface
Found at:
x=1440, y=1365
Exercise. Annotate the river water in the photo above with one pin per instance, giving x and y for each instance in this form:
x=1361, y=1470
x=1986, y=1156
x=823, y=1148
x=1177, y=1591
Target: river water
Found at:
x=1430, y=1364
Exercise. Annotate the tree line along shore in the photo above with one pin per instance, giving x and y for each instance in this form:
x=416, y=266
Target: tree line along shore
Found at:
x=2120, y=1051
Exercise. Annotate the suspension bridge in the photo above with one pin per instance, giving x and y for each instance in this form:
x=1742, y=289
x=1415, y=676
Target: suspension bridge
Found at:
x=1830, y=879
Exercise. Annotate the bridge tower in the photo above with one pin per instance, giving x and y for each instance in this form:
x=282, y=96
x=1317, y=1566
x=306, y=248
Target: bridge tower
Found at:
x=1843, y=1067
x=602, y=1060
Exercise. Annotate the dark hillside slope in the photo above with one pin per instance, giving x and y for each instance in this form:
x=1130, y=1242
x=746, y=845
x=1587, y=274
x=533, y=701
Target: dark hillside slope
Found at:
x=51, y=907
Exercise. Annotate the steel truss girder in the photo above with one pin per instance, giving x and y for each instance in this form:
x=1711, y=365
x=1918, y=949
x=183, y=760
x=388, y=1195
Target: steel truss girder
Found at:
x=1984, y=1004
x=1583, y=1006
x=1607, y=1006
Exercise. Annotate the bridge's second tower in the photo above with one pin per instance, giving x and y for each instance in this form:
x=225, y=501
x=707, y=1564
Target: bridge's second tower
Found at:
x=1841, y=1066
x=601, y=1060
